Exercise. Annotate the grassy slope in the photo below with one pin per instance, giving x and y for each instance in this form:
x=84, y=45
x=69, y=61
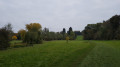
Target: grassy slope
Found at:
x=77, y=53
x=105, y=54
x=49, y=54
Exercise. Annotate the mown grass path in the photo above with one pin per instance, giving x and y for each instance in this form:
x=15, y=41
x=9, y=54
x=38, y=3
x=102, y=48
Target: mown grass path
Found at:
x=105, y=54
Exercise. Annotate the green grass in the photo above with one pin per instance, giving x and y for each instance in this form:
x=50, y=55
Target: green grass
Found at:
x=105, y=54
x=79, y=37
x=78, y=53
x=16, y=41
x=17, y=44
x=49, y=54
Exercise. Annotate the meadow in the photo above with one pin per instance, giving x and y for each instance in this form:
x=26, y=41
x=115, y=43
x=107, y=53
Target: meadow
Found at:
x=58, y=53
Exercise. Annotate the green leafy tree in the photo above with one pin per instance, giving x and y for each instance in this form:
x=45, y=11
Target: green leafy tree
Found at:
x=72, y=35
x=22, y=33
x=33, y=35
x=5, y=36
x=108, y=30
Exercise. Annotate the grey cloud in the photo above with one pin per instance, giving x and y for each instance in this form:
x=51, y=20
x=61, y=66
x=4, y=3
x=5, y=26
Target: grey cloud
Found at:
x=56, y=14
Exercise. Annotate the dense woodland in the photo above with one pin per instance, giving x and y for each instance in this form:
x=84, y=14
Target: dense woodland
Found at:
x=107, y=30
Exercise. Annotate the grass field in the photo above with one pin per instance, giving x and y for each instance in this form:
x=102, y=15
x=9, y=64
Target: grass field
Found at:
x=78, y=53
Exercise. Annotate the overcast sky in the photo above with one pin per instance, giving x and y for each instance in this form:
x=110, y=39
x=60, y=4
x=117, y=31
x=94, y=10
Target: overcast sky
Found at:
x=56, y=14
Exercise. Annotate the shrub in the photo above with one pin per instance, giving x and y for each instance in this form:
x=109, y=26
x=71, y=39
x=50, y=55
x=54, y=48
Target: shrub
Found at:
x=67, y=38
x=14, y=37
x=4, y=39
x=5, y=36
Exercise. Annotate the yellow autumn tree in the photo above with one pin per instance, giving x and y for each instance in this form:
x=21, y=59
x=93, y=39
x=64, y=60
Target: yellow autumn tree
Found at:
x=33, y=34
x=14, y=37
x=33, y=27
x=67, y=38
x=22, y=33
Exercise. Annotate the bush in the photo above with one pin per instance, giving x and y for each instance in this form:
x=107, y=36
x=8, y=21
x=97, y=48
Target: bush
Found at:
x=33, y=38
x=5, y=36
x=14, y=37
x=4, y=39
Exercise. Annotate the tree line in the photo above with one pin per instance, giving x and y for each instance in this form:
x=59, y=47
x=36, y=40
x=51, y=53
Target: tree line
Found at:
x=107, y=30
x=34, y=34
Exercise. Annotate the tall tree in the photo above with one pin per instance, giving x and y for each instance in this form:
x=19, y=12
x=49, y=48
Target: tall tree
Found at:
x=22, y=33
x=33, y=34
x=107, y=30
x=70, y=29
x=64, y=31
x=5, y=36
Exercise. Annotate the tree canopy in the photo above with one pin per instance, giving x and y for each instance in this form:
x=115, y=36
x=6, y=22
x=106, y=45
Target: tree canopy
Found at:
x=107, y=30
x=33, y=27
